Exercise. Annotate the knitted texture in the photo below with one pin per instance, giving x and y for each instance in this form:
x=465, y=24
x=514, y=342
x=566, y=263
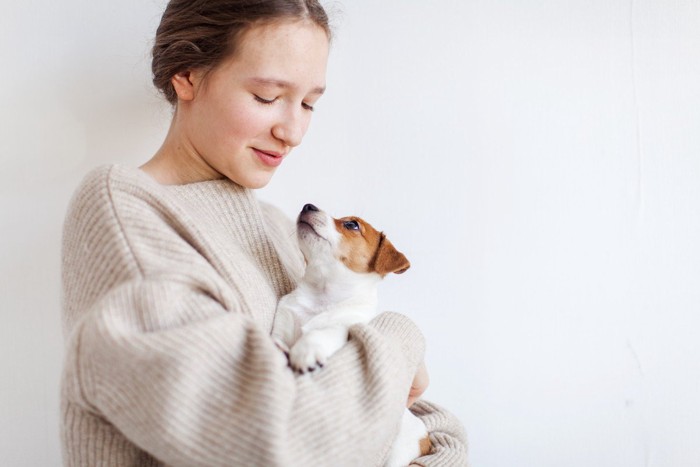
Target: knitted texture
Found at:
x=169, y=298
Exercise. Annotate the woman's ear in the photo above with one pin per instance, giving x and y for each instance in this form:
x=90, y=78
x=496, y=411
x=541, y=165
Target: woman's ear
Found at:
x=184, y=84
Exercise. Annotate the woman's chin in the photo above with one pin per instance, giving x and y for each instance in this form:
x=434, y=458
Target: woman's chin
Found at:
x=254, y=181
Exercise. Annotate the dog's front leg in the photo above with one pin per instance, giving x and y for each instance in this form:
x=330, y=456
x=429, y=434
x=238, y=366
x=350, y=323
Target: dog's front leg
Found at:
x=323, y=335
x=285, y=329
x=314, y=347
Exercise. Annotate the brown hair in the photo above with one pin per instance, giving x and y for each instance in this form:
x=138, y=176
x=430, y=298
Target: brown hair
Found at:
x=200, y=34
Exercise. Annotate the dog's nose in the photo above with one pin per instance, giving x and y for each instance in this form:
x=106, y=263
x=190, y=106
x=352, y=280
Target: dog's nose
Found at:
x=309, y=207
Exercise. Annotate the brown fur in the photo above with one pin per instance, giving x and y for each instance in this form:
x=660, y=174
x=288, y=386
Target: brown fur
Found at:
x=388, y=259
x=425, y=446
x=368, y=250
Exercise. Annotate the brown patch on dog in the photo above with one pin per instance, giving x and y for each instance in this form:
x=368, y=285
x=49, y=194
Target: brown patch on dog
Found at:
x=389, y=259
x=425, y=446
x=364, y=249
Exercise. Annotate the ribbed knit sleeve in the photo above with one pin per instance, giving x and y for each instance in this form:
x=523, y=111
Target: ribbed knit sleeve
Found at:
x=446, y=435
x=169, y=359
x=216, y=391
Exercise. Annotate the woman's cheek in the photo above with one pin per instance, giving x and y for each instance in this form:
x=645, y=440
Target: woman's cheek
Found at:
x=251, y=121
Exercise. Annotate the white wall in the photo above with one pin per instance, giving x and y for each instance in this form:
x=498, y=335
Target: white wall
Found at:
x=538, y=162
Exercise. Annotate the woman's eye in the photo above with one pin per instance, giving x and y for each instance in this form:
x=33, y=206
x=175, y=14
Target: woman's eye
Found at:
x=351, y=225
x=264, y=101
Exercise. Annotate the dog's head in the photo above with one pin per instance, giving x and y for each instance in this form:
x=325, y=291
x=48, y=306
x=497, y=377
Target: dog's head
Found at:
x=348, y=240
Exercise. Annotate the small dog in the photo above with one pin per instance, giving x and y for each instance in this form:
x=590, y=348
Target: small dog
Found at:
x=345, y=261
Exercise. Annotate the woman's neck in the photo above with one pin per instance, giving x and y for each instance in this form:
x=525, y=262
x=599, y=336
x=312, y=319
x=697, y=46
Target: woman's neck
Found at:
x=177, y=162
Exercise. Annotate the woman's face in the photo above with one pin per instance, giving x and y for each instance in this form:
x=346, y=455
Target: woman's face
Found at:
x=248, y=113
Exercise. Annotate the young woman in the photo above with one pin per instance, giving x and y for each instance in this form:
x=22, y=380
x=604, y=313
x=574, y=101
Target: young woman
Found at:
x=172, y=272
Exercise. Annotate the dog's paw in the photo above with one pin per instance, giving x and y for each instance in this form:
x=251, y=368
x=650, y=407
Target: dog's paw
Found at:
x=315, y=347
x=307, y=355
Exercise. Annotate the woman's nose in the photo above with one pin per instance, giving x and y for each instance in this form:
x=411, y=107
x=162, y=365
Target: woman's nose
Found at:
x=291, y=128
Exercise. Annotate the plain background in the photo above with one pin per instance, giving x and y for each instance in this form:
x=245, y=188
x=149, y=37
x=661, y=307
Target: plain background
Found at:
x=537, y=161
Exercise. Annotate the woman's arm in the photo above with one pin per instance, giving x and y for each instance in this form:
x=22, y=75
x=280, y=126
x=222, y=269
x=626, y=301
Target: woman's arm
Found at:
x=216, y=390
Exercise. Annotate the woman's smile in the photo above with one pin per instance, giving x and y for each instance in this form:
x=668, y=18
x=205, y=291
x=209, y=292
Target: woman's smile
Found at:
x=269, y=158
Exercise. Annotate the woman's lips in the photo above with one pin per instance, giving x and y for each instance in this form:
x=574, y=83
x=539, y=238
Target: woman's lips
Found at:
x=271, y=159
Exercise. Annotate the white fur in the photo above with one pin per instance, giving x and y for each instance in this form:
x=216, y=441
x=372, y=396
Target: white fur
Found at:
x=405, y=447
x=312, y=322
x=329, y=299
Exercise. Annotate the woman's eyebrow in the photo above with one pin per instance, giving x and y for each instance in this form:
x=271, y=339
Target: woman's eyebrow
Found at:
x=285, y=84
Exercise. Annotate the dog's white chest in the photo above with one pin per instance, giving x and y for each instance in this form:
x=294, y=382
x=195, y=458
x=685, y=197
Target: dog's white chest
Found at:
x=311, y=326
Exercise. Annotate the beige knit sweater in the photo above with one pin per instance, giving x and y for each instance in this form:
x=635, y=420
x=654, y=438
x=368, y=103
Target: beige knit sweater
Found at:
x=169, y=297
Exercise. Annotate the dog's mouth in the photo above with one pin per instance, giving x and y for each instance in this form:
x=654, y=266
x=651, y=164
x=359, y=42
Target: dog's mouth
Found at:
x=307, y=226
x=302, y=222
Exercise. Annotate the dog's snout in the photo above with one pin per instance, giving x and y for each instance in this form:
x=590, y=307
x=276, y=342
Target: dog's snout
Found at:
x=309, y=207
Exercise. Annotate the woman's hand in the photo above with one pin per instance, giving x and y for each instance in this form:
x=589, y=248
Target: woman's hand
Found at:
x=419, y=384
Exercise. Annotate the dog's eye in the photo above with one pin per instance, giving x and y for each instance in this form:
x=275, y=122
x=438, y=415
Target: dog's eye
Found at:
x=351, y=225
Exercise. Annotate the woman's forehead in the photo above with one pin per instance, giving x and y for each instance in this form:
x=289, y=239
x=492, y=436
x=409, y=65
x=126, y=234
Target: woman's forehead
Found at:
x=283, y=54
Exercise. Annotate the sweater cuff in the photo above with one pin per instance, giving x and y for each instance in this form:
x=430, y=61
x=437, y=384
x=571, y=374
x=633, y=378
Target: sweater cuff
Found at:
x=447, y=436
x=402, y=330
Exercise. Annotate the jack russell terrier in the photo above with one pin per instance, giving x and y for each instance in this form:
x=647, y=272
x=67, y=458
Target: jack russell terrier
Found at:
x=345, y=261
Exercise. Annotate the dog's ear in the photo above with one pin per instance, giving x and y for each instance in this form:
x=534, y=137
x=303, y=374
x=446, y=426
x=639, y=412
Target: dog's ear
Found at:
x=388, y=259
